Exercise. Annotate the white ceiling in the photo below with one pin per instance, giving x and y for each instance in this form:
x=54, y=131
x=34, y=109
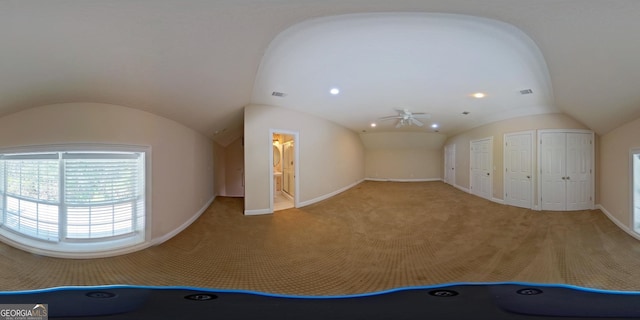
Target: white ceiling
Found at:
x=196, y=61
x=430, y=63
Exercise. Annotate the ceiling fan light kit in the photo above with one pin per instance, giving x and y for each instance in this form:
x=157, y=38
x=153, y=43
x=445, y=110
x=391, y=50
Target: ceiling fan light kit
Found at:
x=407, y=118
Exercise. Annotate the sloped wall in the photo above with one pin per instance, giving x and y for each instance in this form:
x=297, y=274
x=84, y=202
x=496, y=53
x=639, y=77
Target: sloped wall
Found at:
x=615, y=172
x=182, y=159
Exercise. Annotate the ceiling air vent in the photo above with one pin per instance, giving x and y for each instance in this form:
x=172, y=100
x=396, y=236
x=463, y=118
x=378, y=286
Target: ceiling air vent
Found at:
x=278, y=94
x=526, y=91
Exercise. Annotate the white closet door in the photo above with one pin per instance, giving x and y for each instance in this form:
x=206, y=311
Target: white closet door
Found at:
x=450, y=164
x=481, y=164
x=566, y=168
x=578, y=173
x=553, y=168
x=518, y=163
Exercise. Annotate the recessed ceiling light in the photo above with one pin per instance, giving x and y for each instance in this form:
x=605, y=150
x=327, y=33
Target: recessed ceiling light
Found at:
x=334, y=91
x=373, y=125
x=478, y=95
x=435, y=125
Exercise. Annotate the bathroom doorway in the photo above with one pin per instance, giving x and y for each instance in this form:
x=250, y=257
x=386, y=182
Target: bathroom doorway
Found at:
x=284, y=185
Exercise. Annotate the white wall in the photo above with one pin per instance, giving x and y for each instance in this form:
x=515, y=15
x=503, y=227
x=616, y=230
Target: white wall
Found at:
x=403, y=155
x=182, y=159
x=331, y=156
x=615, y=174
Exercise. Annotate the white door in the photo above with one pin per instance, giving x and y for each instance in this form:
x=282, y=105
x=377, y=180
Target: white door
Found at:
x=481, y=164
x=518, y=179
x=552, y=169
x=578, y=176
x=288, y=169
x=450, y=164
x=566, y=171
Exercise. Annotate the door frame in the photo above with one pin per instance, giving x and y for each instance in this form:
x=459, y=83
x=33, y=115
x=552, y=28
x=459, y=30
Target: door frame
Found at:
x=296, y=169
x=633, y=153
x=539, y=160
x=491, y=171
x=532, y=151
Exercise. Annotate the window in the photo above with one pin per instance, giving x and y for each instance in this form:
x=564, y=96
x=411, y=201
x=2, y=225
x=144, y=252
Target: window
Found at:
x=635, y=187
x=73, y=201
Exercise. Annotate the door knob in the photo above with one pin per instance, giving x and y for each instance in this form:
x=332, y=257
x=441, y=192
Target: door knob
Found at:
x=564, y=178
x=568, y=178
x=528, y=177
x=487, y=173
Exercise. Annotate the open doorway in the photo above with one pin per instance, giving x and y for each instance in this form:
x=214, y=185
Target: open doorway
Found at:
x=284, y=170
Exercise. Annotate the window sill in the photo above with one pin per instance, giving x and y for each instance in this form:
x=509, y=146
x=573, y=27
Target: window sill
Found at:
x=71, y=250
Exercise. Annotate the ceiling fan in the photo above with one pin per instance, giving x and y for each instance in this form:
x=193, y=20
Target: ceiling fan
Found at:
x=407, y=118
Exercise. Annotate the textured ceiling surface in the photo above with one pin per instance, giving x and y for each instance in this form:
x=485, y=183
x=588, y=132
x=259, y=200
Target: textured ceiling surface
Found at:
x=199, y=62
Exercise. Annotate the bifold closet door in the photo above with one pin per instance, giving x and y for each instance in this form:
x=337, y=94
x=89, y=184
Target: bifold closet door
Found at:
x=553, y=167
x=566, y=170
x=579, y=171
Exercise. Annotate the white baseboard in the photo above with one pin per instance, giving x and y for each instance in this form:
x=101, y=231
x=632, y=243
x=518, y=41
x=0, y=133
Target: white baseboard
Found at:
x=78, y=254
x=496, y=200
x=617, y=222
x=286, y=195
x=461, y=188
x=187, y=223
x=233, y=195
x=256, y=212
x=329, y=195
x=403, y=180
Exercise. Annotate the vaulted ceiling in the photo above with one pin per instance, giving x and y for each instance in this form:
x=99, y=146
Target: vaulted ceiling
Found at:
x=423, y=62
x=199, y=62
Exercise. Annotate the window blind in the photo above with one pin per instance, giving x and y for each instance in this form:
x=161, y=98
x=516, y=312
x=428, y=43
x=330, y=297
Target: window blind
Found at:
x=75, y=196
x=30, y=195
x=103, y=194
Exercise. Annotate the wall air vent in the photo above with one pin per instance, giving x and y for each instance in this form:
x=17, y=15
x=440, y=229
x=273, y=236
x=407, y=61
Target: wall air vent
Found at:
x=278, y=94
x=526, y=91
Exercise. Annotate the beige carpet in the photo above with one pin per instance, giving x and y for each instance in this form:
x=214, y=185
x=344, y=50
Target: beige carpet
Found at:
x=375, y=236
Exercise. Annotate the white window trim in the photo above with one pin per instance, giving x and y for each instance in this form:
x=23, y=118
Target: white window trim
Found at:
x=634, y=155
x=87, y=250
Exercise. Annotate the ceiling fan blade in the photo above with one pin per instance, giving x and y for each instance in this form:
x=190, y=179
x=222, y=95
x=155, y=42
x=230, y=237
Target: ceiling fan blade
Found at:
x=400, y=124
x=417, y=122
x=390, y=118
x=422, y=115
